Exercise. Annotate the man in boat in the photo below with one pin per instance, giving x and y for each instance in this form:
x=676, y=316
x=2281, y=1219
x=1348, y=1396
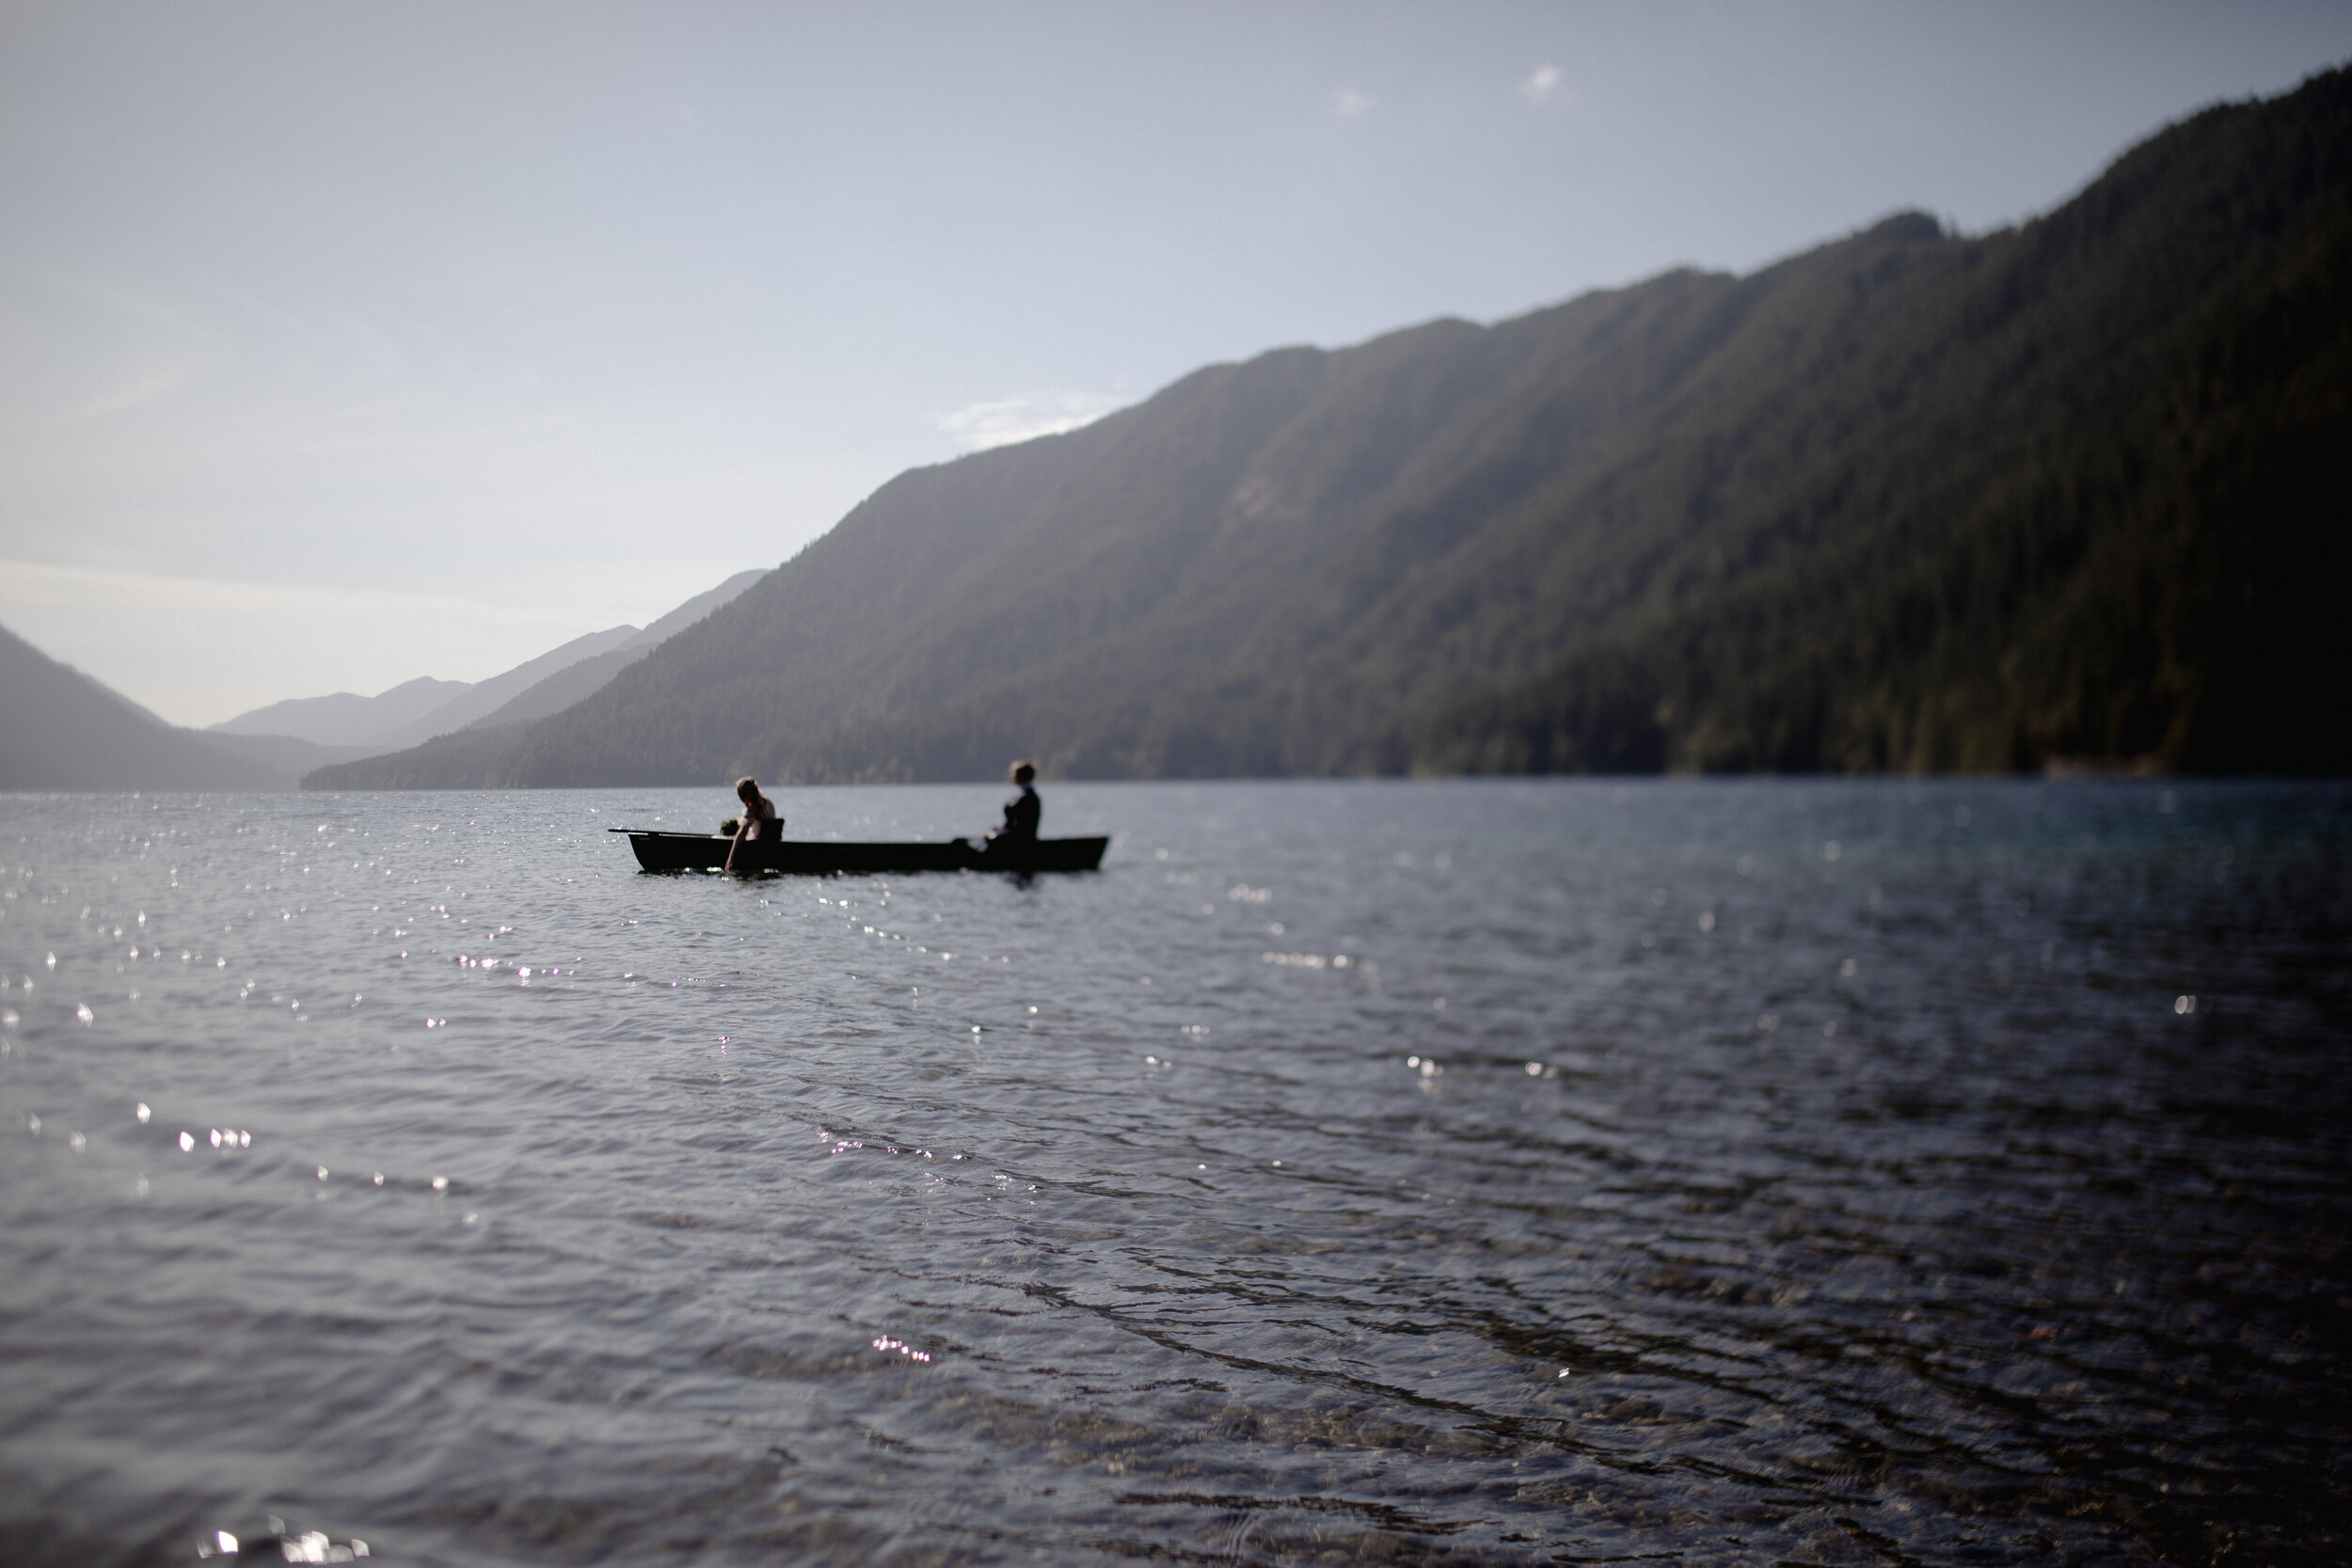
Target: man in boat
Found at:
x=1021, y=812
x=759, y=821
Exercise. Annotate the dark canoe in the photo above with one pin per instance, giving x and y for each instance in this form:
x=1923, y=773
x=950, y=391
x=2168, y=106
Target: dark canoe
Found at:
x=663, y=852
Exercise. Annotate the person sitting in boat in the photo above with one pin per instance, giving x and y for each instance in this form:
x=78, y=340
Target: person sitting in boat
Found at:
x=1021, y=814
x=759, y=821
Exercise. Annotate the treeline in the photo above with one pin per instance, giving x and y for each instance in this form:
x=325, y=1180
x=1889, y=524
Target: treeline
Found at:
x=2071, y=492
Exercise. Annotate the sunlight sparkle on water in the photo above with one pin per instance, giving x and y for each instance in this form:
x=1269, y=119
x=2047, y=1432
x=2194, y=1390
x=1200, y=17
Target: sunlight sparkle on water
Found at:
x=1656, y=1166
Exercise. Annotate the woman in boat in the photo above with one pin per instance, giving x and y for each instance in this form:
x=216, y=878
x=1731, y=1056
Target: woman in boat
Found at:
x=759, y=821
x=1020, y=812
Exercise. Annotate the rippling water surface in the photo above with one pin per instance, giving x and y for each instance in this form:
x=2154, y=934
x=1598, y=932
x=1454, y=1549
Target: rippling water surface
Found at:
x=1472, y=1172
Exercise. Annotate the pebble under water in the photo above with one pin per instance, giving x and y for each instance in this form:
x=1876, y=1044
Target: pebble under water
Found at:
x=1468, y=1172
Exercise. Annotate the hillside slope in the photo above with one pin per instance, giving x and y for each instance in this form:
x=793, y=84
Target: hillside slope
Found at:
x=564, y=687
x=61, y=730
x=1909, y=501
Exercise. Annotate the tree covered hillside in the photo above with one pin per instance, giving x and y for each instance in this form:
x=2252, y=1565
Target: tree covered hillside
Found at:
x=1909, y=501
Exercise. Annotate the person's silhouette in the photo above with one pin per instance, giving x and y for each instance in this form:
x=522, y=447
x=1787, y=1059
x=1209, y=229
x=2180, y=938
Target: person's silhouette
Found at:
x=760, y=821
x=1021, y=814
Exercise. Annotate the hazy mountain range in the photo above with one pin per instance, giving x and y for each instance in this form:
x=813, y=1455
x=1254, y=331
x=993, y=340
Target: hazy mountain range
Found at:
x=421, y=708
x=60, y=729
x=2067, y=493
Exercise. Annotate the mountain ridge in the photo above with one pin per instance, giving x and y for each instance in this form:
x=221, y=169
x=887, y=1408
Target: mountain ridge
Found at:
x=346, y=718
x=418, y=711
x=487, y=696
x=1908, y=500
x=561, y=688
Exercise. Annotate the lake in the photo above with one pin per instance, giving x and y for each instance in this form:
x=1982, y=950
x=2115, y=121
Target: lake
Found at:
x=1496, y=1171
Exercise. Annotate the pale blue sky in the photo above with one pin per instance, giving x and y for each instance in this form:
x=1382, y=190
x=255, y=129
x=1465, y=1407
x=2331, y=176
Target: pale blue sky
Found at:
x=346, y=342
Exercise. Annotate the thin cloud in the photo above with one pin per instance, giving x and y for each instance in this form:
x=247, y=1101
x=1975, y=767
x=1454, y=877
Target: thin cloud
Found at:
x=1543, y=84
x=1347, y=102
x=124, y=398
x=980, y=425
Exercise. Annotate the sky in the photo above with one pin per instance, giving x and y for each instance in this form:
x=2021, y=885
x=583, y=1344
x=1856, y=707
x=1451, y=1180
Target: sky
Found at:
x=344, y=342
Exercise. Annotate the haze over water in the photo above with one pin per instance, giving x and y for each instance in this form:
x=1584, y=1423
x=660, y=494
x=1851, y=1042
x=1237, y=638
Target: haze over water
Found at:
x=1526, y=1171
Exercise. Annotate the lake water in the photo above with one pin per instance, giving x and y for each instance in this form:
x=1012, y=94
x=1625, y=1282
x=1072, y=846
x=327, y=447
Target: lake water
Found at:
x=1384, y=1172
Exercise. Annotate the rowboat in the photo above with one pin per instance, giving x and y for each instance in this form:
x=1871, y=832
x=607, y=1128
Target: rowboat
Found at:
x=658, y=850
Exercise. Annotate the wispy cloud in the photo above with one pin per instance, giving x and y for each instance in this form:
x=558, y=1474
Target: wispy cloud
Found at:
x=1347, y=104
x=126, y=396
x=980, y=425
x=1545, y=83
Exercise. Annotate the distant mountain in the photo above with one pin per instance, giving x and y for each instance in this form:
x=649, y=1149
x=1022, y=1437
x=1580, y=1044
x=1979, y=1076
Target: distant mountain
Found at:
x=347, y=718
x=562, y=688
x=486, y=697
x=283, y=758
x=447, y=751
x=420, y=709
x=2068, y=493
x=61, y=730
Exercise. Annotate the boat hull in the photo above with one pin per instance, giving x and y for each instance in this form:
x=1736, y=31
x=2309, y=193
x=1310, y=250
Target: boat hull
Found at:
x=666, y=851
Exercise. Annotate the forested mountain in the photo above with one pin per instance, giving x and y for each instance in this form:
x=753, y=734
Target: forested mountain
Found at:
x=1912, y=501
